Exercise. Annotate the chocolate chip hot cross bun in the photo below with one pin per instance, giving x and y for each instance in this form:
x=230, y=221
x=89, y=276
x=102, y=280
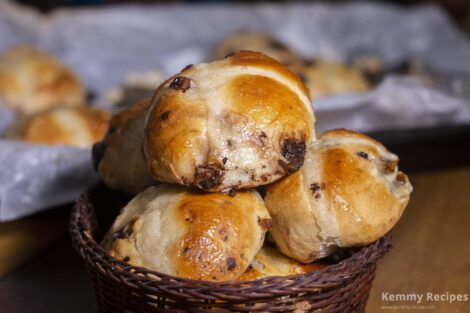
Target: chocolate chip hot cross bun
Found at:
x=348, y=193
x=237, y=123
x=191, y=234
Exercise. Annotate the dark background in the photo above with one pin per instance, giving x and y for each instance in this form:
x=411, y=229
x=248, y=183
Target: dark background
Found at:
x=459, y=10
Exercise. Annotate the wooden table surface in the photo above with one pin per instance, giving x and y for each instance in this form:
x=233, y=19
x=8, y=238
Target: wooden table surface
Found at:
x=431, y=245
x=431, y=254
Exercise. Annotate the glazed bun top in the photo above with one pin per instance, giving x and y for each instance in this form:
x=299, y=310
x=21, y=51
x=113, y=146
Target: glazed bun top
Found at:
x=240, y=122
x=204, y=236
x=348, y=193
x=32, y=81
x=352, y=161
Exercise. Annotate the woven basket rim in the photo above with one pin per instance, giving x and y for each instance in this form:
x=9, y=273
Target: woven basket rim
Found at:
x=325, y=278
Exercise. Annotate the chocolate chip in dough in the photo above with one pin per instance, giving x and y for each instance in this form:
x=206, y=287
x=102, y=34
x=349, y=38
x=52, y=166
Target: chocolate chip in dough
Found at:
x=231, y=263
x=294, y=153
x=181, y=83
x=126, y=231
x=389, y=165
x=208, y=176
x=165, y=115
x=265, y=223
x=316, y=189
x=232, y=192
x=363, y=155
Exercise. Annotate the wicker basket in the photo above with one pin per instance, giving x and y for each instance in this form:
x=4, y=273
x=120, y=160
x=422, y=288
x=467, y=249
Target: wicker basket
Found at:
x=119, y=287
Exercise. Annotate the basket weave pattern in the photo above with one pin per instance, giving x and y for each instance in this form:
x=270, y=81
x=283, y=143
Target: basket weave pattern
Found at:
x=120, y=287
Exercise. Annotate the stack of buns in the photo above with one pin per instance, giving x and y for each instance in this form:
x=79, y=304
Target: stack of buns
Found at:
x=49, y=100
x=197, y=153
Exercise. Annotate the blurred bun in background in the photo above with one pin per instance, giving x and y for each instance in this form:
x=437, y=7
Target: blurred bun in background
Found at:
x=32, y=81
x=79, y=127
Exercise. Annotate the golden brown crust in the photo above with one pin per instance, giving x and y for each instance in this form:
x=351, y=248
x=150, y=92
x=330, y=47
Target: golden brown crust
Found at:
x=349, y=192
x=32, y=81
x=80, y=127
x=204, y=236
x=215, y=242
x=237, y=123
x=270, y=102
x=251, y=58
x=359, y=197
x=172, y=129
